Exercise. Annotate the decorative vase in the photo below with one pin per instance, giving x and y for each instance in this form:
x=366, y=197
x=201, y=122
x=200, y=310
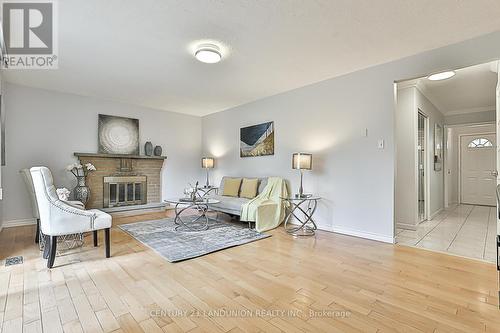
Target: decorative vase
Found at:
x=148, y=149
x=158, y=151
x=82, y=191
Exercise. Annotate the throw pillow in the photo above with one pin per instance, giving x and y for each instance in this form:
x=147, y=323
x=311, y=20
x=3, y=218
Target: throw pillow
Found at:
x=249, y=188
x=232, y=187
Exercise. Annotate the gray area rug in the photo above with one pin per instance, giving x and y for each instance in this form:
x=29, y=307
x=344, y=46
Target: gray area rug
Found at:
x=175, y=246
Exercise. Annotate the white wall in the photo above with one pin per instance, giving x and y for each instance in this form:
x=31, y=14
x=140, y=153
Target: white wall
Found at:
x=409, y=102
x=452, y=162
x=406, y=208
x=328, y=118
x=46, y=128
x=2, y=93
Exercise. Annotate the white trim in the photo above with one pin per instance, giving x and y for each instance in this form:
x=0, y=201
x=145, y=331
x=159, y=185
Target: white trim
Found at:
x=406, y=226
x=18, y=223
x=359, y=233
x=485, y=123
x=394, y=160
x=407, y=84
x=470, y=110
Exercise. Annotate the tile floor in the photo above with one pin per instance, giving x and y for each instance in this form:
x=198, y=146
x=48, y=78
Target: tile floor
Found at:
x=464, y=230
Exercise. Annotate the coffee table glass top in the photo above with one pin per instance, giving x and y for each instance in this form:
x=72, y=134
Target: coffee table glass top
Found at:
x=312, y=197
x=204, y=201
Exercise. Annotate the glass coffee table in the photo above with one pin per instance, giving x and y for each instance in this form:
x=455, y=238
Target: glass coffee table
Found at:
x=201, y=206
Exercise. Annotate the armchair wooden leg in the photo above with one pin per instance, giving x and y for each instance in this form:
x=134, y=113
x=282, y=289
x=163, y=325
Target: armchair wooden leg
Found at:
x=37, y=235
x=95, y=238
x=106, y=240
x=46, y=247
x=53, y=248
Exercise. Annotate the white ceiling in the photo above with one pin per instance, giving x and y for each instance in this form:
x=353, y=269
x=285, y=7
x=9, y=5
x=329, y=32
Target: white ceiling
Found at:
x=472, y=89
x=140, y=52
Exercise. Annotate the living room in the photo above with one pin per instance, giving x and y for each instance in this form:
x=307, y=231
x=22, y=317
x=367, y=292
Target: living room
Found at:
x=294, y=236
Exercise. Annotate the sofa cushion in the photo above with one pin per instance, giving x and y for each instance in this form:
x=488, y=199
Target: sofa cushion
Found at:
x=231, y=187
x=232, y=204
x=249, y=188
x=262, y=184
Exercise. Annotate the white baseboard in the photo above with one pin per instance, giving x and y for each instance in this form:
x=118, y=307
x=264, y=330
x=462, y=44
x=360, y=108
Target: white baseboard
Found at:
x=433, y=215
x=406, y=226
x=359, y=233
x=18, y=223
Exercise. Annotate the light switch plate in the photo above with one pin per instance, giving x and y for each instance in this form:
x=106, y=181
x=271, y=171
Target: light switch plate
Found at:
x=1, y=193
x=380, y=144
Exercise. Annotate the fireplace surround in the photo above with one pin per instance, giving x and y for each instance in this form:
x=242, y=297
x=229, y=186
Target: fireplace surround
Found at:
x=124, y=191
x=123, y=180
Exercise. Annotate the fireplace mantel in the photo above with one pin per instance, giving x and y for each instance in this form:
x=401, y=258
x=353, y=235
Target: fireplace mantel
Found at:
x=142, y=157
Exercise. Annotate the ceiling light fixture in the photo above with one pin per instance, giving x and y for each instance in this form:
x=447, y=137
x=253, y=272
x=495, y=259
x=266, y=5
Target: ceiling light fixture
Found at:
x=441, y=76
x=208, y=53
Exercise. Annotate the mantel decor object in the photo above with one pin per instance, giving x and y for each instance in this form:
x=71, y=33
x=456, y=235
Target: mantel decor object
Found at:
x=81, y=191
x=158, y=150
x=148, y=149
x=301, y=161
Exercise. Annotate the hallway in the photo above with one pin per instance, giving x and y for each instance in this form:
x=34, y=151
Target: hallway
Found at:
x=463, y=230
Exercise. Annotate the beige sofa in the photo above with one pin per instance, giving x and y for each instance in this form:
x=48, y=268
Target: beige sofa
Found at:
x=232, y=205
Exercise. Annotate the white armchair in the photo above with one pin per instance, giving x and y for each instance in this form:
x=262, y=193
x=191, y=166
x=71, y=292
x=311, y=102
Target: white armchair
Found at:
x=34, y=206
x=58, y=218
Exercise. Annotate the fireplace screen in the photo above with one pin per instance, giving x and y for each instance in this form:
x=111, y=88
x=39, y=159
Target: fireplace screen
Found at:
x=124, y=191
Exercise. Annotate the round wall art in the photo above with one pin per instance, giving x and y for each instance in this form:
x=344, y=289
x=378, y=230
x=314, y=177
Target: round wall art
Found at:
x=118, y=135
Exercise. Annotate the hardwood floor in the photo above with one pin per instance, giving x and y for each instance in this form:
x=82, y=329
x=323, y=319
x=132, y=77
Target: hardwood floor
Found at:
x=330, y=283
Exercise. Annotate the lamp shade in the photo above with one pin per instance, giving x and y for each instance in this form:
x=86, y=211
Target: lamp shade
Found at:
x=207, y=162
x=302, y=161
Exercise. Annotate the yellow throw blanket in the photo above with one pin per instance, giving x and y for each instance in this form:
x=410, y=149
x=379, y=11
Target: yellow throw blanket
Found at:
x=267, y=209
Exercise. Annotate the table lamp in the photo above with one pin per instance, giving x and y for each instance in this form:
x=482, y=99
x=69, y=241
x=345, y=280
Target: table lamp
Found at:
x=301, y=161
x=207, y=163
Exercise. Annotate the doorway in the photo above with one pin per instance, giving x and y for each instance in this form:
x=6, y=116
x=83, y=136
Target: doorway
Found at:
x=478, y=169
x=445, y=181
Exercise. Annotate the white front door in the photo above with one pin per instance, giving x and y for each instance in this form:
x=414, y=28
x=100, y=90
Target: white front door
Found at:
x=478, y=169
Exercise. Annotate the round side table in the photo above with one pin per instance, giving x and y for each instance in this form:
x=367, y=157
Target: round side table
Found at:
x=306, y=206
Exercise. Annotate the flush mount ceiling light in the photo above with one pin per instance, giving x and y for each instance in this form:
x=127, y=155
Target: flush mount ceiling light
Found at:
x=441, y=76
x=208, y=53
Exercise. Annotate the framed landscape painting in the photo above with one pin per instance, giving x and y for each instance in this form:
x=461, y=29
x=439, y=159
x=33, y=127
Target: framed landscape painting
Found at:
x=257, y=140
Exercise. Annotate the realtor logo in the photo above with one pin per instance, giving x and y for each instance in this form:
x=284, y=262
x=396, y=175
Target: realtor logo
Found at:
x=29, y=35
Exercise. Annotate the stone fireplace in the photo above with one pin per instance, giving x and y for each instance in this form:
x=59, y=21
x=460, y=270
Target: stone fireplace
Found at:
x=123, y=180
